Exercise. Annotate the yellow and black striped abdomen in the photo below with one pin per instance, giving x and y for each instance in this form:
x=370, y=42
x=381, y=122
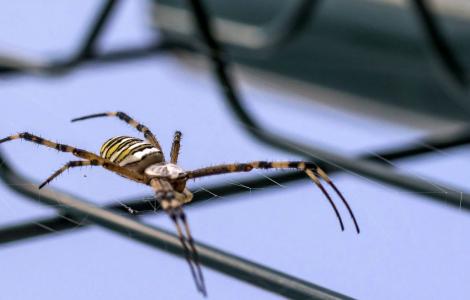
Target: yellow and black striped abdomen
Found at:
x=124, y=150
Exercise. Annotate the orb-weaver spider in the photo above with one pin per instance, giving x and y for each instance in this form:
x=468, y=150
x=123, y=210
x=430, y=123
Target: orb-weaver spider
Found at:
x=145, y=162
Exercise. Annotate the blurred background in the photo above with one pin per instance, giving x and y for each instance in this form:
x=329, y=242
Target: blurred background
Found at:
x=376, y=92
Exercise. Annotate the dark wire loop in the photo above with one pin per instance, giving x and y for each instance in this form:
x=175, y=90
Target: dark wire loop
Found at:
x=450, y=71
x=322, y=157
x=251, y=40
x=285, y=27
x=86, y=51
x=89, y=44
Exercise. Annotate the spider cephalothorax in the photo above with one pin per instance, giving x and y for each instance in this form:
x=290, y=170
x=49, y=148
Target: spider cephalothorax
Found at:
x=144, y=162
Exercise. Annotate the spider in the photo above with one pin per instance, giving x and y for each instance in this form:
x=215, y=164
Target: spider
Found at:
x=144, y=162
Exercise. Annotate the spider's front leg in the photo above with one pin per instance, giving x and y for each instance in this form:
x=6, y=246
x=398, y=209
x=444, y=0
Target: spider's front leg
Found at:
x=311, y=169
x=166, y=197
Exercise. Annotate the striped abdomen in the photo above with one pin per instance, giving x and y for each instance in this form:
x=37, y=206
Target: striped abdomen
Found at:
x=124, y=150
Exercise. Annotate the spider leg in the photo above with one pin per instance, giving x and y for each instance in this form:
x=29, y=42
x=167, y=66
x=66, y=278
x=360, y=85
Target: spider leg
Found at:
x=78, y=153
x=175, y=148
x=183, y=219
x=327, y=195
x=325, y=177
x=311, y=169
x=140, y=127
x=70, y=164
x=172, y=207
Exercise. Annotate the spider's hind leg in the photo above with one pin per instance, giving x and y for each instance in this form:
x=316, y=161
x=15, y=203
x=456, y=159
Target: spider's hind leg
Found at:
x=124, y=117
x=83, y=154
x=70, y=164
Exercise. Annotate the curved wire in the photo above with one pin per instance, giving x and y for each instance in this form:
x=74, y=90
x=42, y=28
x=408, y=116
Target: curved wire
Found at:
x=451, y=72
x=249, y=39
x=320, y=156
